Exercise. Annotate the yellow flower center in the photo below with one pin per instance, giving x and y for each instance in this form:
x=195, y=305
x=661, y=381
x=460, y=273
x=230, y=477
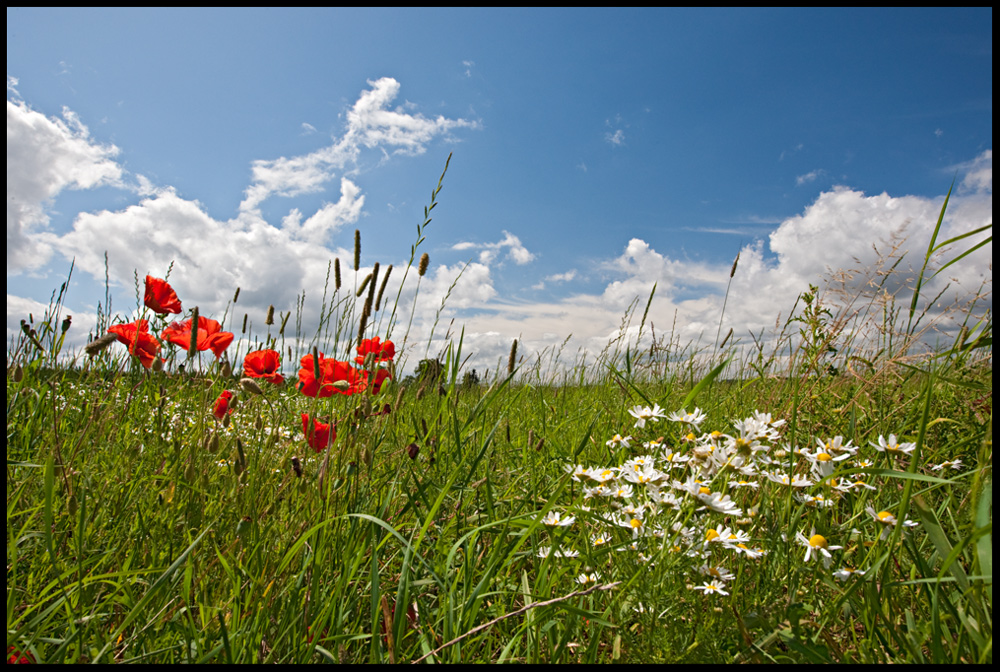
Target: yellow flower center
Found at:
x=823, y=457
x=635, y=523
x=884, y=516
x=705, y=491
x=817, y=541
x=710, y=535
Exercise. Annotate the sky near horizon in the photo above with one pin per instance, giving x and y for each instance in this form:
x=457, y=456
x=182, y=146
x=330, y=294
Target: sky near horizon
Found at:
x=595, y=153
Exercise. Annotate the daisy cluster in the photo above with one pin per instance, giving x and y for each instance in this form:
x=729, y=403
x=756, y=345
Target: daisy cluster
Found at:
x=699, y=494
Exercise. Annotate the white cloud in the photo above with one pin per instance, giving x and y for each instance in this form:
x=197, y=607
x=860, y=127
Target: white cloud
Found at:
x=517, y=252
x=978, y=173
x=808, y=177
x=44, y=156
x=307, y=128
x=617, y=138
x=842, y=229
x=369, y=125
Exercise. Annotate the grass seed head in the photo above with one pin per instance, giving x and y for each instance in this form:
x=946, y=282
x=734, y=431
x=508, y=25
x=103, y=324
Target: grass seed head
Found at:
x=425, y=260
x=357, y=250
x=336, y=273
x=270, y=315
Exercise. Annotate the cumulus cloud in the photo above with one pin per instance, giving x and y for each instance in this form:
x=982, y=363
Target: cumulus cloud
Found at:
x=44, y=156
x=516, y=252
x=842, y=241
x=270, y=263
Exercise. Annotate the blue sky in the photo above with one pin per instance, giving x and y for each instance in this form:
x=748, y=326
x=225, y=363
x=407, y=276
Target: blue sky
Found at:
x=596, y=152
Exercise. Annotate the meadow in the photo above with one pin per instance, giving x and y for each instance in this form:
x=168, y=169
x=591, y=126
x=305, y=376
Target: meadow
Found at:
x=821, y=497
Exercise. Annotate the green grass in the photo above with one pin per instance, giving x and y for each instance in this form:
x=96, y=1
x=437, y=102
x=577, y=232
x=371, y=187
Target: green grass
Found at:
x=141, y=529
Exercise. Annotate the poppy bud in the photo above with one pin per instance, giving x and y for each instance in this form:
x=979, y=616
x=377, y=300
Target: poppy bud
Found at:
x=227, y=369
x=66, y=323
x=250, y=385
x=297, y=466
x=341, y=385
x=18, y=373
x=157, y=364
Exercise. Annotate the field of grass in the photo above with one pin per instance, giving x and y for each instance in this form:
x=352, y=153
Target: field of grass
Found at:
x=810, y=501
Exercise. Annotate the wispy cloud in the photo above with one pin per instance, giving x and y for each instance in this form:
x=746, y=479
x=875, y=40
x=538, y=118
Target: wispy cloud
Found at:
x=370, y=124
x=808, y=177
x=617, y=138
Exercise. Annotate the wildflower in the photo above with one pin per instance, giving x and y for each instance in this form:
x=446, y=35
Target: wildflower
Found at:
x=844, y=573
x=209, y=335
x=222, y=407
x=160, y=297
x=783, y=479
x=546, y=551
x=138, y=339
x=955, y=464
x=644, y=413
x=623, y=492
x=381, y=351
x=576, y=472
x=617, y=440
x=818, y=501
x=744, y=484
x=714, y=587
x=17, y=657
x=602, y=476
x=892, y=446
x=587, y=579
x=824, y=464
x=332, y=372
x=716, y=573
x=887, y=521
x=836, y=445
x=263, y=364
x=319, y=435
x=817, y=545
x=720, y=503
x=633, y=523
x=694, y=418
x=553, y=519
x=752, y=553
x=598, y=539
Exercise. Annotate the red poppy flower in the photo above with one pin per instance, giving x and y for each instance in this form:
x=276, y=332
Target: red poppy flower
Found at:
x=221, y=407
x=380, y=377
x=331, y=371
x=140, y=342
x=210, y=335
x=161, y=297
x=17, y=657
x=263, y=364
x=319, y=435
x=384, y=352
